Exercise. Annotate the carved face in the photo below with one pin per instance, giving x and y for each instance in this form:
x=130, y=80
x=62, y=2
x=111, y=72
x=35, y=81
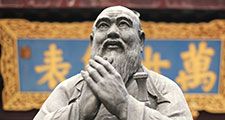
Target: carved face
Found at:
x=117, y=35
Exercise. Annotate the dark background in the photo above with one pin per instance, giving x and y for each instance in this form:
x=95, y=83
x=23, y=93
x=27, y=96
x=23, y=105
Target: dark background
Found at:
x=79, y=12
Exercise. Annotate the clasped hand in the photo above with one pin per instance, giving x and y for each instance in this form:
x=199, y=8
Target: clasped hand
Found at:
x=107, y=86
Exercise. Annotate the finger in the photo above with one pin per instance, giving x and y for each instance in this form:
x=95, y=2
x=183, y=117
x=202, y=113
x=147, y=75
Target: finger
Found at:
x=101, y=69
x=105, y=63
x=90, y=82
x=94, y=74
x=84, y=74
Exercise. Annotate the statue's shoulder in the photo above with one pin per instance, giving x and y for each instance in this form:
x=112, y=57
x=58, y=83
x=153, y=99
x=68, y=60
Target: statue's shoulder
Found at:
x=156, y=77
x=72, y=83
x=160, y=82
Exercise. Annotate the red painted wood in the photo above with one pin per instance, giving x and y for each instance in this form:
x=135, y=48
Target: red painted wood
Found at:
x=146, y=4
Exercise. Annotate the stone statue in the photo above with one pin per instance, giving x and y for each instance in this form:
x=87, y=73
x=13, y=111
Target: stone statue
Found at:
x=115, y=85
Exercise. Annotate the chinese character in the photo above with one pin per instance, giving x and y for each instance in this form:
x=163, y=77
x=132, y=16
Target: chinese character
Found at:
x=87, y=56
x=153, y=60
x=196, y=71
x=54, y=67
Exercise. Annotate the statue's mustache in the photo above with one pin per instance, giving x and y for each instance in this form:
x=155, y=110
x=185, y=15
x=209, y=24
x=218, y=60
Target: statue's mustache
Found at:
x=117, y=42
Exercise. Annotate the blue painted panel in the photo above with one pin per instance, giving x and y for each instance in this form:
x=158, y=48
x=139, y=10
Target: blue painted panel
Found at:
x=74, y=50
x=172, y=49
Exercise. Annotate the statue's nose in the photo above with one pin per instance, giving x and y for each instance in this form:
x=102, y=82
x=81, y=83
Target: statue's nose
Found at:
x=113, y=32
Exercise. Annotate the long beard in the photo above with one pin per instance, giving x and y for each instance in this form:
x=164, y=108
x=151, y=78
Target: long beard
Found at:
x=126, y=63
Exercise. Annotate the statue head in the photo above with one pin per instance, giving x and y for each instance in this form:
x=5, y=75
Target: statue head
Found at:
x=117, y=35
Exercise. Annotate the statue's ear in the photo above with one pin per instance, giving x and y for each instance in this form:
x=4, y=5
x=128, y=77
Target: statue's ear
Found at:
x=91, y=38
x=142, y=38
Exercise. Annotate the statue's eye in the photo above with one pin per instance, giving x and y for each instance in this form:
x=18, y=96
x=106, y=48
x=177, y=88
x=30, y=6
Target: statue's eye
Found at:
x=123, y=24
x=103, y=26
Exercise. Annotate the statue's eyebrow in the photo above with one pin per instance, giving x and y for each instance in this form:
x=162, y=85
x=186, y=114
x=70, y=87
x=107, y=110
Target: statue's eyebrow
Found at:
x=124, y=18
x=105, y=19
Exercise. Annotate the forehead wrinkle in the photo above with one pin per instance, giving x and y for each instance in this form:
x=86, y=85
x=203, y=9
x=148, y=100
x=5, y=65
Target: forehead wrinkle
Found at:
x=113, y=18
x=117, y=13
x=124, y=16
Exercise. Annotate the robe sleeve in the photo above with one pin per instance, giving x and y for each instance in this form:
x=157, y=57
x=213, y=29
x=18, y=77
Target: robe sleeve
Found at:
x=165, y=111
x=172, y=105
x=58, y=106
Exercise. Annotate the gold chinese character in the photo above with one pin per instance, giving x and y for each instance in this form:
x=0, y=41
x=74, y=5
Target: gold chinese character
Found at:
x=153, y=60
x=196, y=71
x=54, y=67
x=87, y=55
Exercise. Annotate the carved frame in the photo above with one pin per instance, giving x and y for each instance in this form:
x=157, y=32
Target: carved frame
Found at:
x=11, y=30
